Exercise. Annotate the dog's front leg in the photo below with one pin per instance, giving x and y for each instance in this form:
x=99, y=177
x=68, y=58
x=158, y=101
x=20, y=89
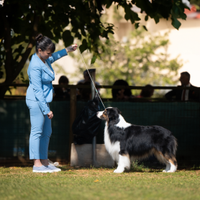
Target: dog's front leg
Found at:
x=124, y=162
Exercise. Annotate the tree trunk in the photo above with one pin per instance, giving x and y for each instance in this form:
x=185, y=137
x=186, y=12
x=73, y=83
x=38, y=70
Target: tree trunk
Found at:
x=3, y=89
x=13, y=71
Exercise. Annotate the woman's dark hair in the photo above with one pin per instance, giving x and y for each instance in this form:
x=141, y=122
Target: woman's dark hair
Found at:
x=44, y=43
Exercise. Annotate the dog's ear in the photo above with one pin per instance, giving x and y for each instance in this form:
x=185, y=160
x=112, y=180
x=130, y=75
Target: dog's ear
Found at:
x=118, y=111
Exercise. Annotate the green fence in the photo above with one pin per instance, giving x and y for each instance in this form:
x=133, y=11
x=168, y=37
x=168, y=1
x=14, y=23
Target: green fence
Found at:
x=182, y=118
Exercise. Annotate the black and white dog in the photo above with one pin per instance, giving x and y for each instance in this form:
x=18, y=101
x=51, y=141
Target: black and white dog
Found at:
x=126, y=142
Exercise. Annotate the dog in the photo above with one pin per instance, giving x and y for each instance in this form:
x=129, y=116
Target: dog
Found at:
x=127, y=142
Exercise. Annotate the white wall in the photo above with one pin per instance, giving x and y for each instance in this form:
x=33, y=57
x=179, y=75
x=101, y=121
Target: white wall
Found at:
x=184, y=42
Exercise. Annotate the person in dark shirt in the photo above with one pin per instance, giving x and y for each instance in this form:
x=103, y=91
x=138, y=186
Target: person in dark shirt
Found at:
x=186, y=94
x=62, y=92
x=147, y=92
x=121, y=94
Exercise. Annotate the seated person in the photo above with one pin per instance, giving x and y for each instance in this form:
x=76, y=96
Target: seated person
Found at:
x=183, y=95
x=147, y=92
x=62, y=92
x=121, y=94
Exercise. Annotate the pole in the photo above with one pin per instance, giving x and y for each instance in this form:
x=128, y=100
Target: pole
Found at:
x=92, y=72
x=72, y=117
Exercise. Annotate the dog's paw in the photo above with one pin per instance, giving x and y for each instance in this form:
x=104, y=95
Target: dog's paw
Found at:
x=119, y=170
x=173, y=168
x=170, y=171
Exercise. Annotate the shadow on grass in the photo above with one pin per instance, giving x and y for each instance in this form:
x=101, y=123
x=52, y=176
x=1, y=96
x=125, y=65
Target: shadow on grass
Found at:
x=149, y=165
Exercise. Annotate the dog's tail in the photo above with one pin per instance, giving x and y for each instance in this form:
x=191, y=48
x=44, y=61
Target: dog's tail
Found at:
x=166, y=152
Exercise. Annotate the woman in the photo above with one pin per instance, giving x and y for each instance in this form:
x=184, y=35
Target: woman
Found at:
x=39, y=95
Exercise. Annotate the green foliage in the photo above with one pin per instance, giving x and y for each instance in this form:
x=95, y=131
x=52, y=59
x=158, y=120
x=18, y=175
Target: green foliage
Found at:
x=140, y=60
x=22, y=20
x=137, y=167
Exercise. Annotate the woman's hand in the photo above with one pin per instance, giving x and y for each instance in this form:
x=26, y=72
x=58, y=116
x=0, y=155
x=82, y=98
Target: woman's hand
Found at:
x=71, y=48
x=50, y=115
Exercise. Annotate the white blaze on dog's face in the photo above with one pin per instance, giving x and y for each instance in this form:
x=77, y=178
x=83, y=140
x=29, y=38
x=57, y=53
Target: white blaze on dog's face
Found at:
x=102, y=115
x=108, y=113
x=113, y=115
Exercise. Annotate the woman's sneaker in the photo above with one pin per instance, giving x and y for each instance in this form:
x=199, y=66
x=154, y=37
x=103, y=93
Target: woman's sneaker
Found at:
x=42, y=169
x=53, y=168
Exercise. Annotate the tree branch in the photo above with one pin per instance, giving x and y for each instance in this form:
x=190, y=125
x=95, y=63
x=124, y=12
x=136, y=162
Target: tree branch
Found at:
x=7, y=45
x=28, y=48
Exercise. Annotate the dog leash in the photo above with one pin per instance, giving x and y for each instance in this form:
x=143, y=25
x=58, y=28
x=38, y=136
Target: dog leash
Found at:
x=97, y=93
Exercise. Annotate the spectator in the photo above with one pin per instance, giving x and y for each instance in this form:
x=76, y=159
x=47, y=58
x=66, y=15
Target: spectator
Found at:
x=121, y=94
x=87, y=75
x=62, y=92
x=147, y=92
x=183, y=95
x=85, y=93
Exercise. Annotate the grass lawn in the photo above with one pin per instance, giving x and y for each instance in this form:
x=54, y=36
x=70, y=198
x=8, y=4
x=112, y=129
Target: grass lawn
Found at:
x=101, y=183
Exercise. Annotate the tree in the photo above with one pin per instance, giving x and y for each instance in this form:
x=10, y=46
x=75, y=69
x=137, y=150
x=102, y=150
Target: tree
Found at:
x=22, y=20
x=141, y=59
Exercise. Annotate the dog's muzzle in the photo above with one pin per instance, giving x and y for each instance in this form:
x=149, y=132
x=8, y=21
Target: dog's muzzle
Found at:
x=99, y=114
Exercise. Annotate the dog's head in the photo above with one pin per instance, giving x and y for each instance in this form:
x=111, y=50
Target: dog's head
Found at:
x=109, y=114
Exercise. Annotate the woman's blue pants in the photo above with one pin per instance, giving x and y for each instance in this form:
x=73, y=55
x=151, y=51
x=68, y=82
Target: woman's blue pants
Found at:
x=40, y=132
